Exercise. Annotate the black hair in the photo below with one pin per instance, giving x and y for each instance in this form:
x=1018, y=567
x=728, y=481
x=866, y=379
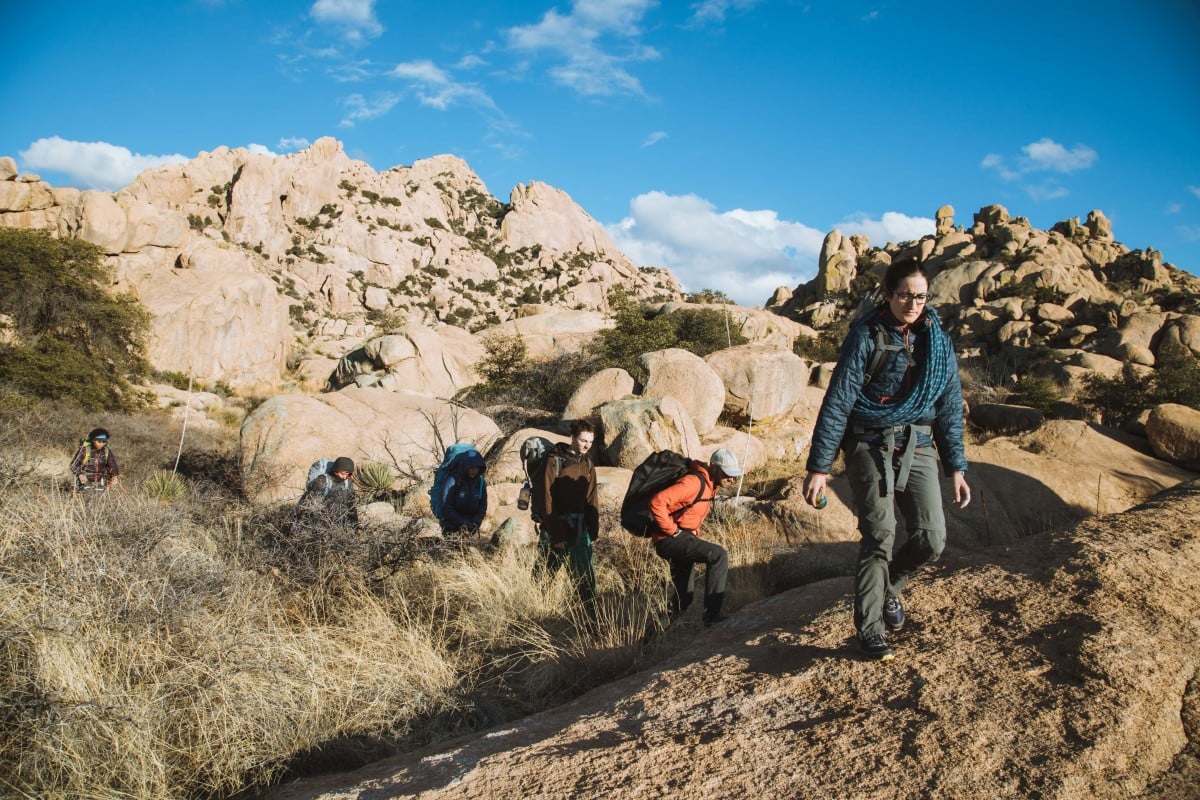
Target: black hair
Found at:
x=901, y=269
x=97, y=432
x=582, y=426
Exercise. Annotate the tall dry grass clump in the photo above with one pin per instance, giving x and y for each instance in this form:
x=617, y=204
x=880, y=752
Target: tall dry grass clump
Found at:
x=152, y=650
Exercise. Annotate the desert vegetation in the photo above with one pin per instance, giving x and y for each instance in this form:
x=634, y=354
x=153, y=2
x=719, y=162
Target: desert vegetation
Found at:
x=168, y=640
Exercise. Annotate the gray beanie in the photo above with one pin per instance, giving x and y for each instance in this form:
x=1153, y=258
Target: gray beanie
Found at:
x=342, y=464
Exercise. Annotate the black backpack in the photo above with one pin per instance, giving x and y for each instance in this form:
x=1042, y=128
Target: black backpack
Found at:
x=657, y=472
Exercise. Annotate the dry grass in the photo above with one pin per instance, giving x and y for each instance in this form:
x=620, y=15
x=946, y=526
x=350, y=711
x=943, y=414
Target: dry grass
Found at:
x=158, y=651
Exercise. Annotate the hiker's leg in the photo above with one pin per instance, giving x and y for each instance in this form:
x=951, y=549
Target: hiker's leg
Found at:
x=877, y=527
x=714, y=557
x=582, y=566
x=924, y=517
x=673, y=549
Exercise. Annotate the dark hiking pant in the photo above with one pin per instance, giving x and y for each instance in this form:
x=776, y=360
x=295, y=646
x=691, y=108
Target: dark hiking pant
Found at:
x=880, y=574
x=684, y=550
x=576, y=556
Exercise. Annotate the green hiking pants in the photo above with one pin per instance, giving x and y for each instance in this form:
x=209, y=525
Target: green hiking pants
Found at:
x=880, y=574
x=576, y=556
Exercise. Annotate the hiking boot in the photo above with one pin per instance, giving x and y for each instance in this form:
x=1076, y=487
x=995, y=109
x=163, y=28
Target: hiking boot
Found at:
x=714, y=619
x=876, y=647
x=893, y=613
x=712, y=608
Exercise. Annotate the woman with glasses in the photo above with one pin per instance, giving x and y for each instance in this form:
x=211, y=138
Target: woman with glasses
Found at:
x=887, y=417
x=95, y=466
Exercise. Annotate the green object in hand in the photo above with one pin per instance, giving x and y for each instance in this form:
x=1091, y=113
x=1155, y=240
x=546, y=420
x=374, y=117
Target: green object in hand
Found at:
x=822, y=501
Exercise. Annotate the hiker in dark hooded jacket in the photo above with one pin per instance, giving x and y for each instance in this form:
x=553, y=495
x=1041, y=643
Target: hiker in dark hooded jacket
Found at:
x=568, y=509
x=887, y=426
x=464, y=497
x=329, y=500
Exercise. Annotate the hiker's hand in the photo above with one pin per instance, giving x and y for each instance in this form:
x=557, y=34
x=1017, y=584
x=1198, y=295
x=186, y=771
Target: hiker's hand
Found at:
x=814, y=487
x=962, y=492
x=82, y=479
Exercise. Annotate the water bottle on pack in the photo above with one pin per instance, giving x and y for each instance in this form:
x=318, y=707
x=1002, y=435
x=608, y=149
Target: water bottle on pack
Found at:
x=524, y=495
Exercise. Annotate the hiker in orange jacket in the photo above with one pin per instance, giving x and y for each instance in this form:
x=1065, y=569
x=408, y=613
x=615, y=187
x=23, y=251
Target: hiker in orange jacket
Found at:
x=678, y=511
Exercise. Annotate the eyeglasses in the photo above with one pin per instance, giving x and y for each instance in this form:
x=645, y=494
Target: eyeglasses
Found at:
x=909, y=297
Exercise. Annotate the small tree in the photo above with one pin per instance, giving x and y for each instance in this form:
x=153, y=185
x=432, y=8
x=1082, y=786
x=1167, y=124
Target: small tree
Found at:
x=72, y=339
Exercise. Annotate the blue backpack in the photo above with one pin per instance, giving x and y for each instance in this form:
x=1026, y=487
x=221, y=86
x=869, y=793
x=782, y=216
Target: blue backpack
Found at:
x=443, y=473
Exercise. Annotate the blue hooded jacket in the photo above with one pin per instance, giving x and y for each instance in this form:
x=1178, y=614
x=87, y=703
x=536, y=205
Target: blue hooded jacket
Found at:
x=464, y=501
x=847, y=399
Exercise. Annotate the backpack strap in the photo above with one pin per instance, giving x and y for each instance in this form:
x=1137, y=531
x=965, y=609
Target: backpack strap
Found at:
x=880, y=354
x=675, y=515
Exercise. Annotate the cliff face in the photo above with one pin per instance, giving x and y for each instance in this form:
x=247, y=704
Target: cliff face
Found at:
x=298, y=251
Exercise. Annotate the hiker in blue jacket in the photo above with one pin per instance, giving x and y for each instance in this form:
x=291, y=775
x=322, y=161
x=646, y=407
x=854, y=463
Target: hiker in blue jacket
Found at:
x=464, y=496
x=887, y=425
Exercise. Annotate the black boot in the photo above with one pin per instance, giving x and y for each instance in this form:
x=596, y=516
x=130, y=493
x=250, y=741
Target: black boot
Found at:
x=712, y=609
x=679, y=604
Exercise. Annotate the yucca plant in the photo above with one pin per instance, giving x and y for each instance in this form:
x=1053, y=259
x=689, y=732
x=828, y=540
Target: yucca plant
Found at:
x=165, y=486
x=375, y=479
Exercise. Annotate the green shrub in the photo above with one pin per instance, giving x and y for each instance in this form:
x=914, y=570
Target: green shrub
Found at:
x=510, y=376
x=1177, y=379
x=1036, y=392
x=374, y=479
x=827, y=346
x=1117, y=399
x=704, y=330
x=709, y=296
x=73, y=339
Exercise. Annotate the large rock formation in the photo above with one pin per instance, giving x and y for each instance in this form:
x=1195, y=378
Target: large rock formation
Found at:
x=333, y=239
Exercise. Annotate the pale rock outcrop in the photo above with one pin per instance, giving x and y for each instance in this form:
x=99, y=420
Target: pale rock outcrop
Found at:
x=836, y=265
x=1174, y=433
x=555, y=332
x=633, y=429
x=1184, y=330
x=285, y=434
x=504, y=462
x=546, y=216
x=990, y=216
x=95, y=217
x=8, y=168
x=1099, y=226
x=760, y=382
x=437, y=362
x=603, y=387
x=686, y=377
x=749, y=449
x=957, y=285
x=944, y=219
x=218, y=326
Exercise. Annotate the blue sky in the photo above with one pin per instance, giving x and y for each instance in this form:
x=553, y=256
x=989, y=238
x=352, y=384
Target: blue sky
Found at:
x=720, y=138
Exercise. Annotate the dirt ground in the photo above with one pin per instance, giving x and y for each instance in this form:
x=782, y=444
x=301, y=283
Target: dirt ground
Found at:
x=1064, y=665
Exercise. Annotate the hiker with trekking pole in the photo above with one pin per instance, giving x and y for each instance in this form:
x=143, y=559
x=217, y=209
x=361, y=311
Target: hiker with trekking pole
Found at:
x=894, y=395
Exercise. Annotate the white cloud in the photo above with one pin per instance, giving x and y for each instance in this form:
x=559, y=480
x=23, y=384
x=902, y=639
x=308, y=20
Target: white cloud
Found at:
x=746, y=254
x=93, y=165
x=1189, y=232
x=363, y=109
x=1044, y=155
x=355, y=17
x=293, y=143
x=260, y=149
x=1048, y=155
x=1047, y=190
x=891, y=227
x=654, y=138
x=590, y=66
x=1173, y=208
x=1194, y=190
x=436, y=89
x=714, y=11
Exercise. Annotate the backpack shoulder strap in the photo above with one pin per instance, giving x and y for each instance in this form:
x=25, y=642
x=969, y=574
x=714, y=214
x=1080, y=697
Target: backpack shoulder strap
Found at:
x=879, y=355
x=679, y=512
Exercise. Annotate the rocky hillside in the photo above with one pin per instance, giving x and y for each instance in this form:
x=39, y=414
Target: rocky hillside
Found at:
x=242, y=258
x=1064, y=666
